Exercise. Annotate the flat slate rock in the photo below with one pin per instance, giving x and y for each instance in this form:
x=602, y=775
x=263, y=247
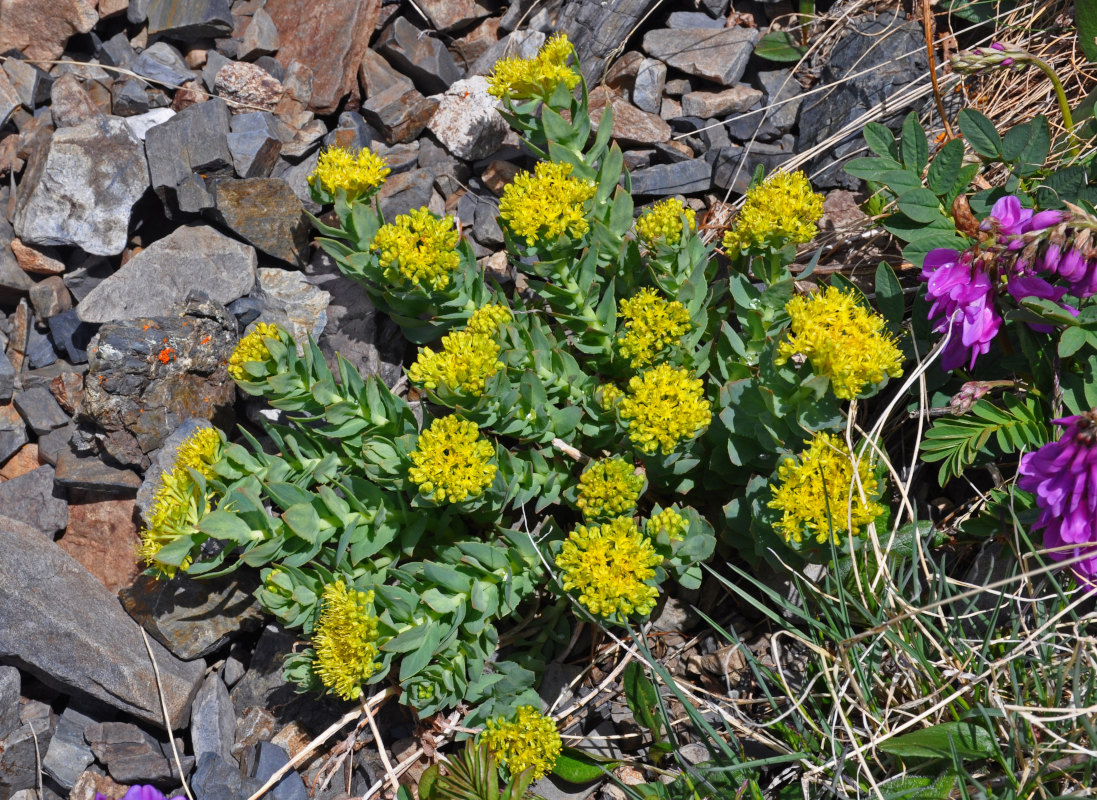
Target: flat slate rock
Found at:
x=161, y=276
x=67, y=629
x=266, y=213
x=189, y=20
x=422, y=58
x=718, y=55
x=31, y=498
x=81, y=193
x=685, y=177
x=598, y=28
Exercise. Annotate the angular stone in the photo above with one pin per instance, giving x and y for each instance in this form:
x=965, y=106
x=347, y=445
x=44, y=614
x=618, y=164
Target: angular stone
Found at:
x=40, y=352
x=189, y=20
x=292, y=302
x=186, y=151
x=647, y=90
x=305, y=141
x=19, y=754
x=467, y=121
x=102, y=535
x=70, y=102
x=26, y=460
x=7, y=378
x=682, y=20
x=91, y=646
x=706, y=105
x=9, y=98
x=164, y=273
x=783, y=91
x=216, y=778
x=91, y=474
x=38, y=261
x=260, y=37
x=598, y=29
x=631, y=126
x=31, y=83
x=130, y=754
x=400, y=113
x=82, y=192
x=244, y=84
x=733, y=167
x=330, y=39
x=519, y=44
x=116, y=51
x=271, y=759
x=40, y=410
x=140, y=124
x=351, y=133
x=718, y=55
x=128, y=98
x=266, y=213
x=13, y=431
x=41, y=29
x=375, y=75
x=214, y=62
x=295, y=174
x=90, y=785
x=213, y=720
x=50, y=297
x=71, y=336
x=31, y=499
x=622, y=73
x=422, y=58
x=401, y=193
x=9, y=699
x=69, y=754
x=194, y=618
x=450, y=15
x=254, y=143
x=162, y=62
x=146, y=376
x=163, y=461
x=468, y=48
x=685, y=177
x=746, y=127
x=53, y=444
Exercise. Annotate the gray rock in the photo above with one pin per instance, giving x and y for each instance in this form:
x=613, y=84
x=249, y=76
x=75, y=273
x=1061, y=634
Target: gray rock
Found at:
x=19, y=753
x=54, y=443
x=598, y=32
x=141, y=124
x=685, y=177
x=91, y=646
x=30, y=82
x=162, y=63
x=375, y=75
x=273, y=67
x=131, y=755
x=10, y=687
x=117, y=51
x=733, y=167
x=32, y=499
x=70, y=102
x=69, y=754
x=304, y=141
x=234, y=668
x=291, y=301
x=71, y=336
x=189, y=20
x=451, y=15
x=405, y=191
x=421, y=57
x=400, y=113
x=128, y=98
x=519, y=44
x=188, y=151
x=553, y=788
x=137, y=12
x=351, y=133
x=41, y=412
x=714, y=135
x=161, y=276
x=467, y=121
x=260, y=38
x=747, y=127
x=9, y=98
x=40, y=352
x=7, y=378
x=83, y=191
x=216, y=778
x=647, y=90
x=680, y=20
x=783, y=90
x=271, y=759
x=296, y=176
x=405, y=156
x=92, y=475
x=887, y=52
x=676, y=616
x=13, y=432
x=266, y=213
x=146, y=376
x=706, y=105
x=214, y=62
x=254, y=144
x=718, y=55
x=677, y=87
x=212, y=720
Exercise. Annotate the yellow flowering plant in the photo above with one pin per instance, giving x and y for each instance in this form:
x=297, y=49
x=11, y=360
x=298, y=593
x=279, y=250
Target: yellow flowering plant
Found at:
x=570, y=451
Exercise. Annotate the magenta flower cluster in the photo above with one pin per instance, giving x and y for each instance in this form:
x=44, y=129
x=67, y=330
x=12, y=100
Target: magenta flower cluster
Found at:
x=1063, y=476
x=964, y=288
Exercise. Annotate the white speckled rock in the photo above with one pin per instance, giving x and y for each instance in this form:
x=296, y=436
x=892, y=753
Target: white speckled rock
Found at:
x=467, y=122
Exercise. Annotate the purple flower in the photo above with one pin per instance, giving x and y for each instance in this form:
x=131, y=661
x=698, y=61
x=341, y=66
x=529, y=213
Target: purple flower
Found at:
x=1072, y=266
x=1007, y=219
x=141, y=793
x=962, y=299
x=1063, y=476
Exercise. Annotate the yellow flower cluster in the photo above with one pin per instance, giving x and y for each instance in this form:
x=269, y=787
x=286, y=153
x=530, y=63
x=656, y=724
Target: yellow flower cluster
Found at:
x=651, y=324
x=345, y=640
x=608, y=564
x=842, y=339
x=609, y=396
x=814, y=492
x=609, y=487
x=780, y=210
x=452, y=461
x=664, y=406
x=663, y=221
x=670, y=521
x=468, y=357
x=418, y=248
x=464, y=363
x=530, y=741
x=537, y=77
x=178, y=504
x=547, y=204
x=251, y=349
x=358, y=174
